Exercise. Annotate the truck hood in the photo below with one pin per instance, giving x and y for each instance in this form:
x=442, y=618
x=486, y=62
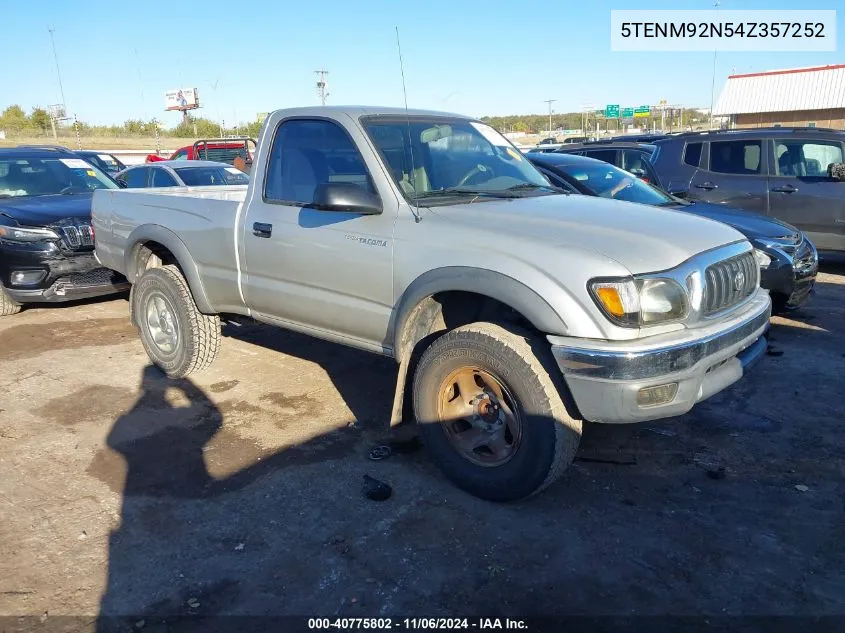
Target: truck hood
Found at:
x=44, y=210
x=641, y=238
x=752, y=225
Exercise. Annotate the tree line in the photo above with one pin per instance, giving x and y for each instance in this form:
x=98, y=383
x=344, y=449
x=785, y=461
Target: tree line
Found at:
x=537, y=123
x=15, y=122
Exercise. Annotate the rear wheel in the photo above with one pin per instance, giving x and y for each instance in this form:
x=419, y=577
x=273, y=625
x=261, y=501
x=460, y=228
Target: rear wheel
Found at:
x=7, y=305
x=490, y=412
x=176, y=335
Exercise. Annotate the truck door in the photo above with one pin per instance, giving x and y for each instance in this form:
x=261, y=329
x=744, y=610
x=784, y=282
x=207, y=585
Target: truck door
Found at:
x=802, y=193
x=734, y=174
x=329, y=271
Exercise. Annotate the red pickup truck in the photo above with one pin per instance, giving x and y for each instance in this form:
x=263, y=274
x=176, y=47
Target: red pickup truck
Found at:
x=230, y=150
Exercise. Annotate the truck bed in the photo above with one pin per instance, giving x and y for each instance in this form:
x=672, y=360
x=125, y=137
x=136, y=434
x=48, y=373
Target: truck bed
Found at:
x=203, y=218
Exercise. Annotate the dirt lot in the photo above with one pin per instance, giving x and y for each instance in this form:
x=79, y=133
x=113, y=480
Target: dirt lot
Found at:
x=239, y=492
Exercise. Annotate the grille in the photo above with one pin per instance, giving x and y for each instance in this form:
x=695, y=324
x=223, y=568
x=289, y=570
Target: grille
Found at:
x=95, y=277
x=729, y=282
x=77, y=235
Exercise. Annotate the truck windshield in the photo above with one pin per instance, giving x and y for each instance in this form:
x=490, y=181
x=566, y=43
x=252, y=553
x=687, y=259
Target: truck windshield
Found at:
x=449, y=159
x=202, y=176
x=47, y=176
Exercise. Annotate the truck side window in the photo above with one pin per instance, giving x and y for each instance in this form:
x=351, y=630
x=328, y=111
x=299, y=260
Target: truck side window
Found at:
x=182, y=154
x=307, y=153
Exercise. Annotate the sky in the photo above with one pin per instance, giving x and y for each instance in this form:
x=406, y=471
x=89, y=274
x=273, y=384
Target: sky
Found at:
x=477, y=58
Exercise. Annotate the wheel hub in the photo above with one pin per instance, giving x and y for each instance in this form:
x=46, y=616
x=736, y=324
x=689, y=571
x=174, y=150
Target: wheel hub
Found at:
x=479, y=416
x=161, y=323
x=487, y=413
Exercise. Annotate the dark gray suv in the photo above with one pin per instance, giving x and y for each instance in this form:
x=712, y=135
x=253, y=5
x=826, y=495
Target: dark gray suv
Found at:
x=787, y=173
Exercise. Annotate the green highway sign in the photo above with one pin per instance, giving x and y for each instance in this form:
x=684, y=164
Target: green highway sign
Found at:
x=627, y=113
x=611, y=111
x=642, y=111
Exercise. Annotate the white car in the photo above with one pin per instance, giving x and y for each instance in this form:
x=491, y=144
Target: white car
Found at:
x=181, y=173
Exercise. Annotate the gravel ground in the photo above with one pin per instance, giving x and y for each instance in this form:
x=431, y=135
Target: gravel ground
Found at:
x=238, y=492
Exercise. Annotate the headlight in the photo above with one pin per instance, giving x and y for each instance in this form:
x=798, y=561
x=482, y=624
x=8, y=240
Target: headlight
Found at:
x=635, y=302
x=763, y=260
x=17, y=234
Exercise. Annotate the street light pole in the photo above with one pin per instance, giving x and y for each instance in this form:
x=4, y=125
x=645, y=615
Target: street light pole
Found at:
x=550, y=102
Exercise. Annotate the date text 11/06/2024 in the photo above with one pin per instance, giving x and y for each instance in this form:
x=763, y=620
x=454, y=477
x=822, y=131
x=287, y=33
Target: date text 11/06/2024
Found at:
x=411, y=624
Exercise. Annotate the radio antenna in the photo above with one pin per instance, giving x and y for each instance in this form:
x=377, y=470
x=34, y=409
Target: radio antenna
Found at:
x=415, y=208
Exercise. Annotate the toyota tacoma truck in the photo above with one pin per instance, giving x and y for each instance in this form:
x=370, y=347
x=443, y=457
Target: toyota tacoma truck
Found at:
x=514, y=311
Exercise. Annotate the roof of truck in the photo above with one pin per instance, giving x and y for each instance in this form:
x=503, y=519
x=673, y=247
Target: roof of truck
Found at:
x=359, y=110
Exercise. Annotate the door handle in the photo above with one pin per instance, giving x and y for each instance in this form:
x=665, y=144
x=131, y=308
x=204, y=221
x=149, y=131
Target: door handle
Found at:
x=260, y=229
x=707, y=185
x=785, y=189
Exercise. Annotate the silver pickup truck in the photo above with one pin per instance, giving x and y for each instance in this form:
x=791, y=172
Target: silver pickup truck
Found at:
x=513, y=310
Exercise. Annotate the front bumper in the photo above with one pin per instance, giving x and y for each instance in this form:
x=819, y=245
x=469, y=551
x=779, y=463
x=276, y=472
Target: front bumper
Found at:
x=791, y=276
x=67, y=275
x=605, y=377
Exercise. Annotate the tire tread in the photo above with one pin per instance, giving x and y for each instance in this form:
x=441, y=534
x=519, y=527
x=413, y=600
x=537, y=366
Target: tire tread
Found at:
x=567, y=431
x=203, y=329
x=8, y=307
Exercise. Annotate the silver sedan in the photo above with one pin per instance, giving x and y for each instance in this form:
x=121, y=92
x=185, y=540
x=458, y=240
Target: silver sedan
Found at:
x=181, y=173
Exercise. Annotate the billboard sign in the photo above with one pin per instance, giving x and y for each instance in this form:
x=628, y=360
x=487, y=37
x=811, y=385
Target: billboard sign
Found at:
x=184, y=99
x=642, y=111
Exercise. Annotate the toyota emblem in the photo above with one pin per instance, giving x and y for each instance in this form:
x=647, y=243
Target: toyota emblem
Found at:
x=739, y=280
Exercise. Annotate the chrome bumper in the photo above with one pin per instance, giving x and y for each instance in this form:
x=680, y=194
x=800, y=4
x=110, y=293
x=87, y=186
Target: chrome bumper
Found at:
x=605, y=377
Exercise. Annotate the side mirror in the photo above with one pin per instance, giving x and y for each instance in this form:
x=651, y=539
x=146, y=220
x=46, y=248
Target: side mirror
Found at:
x=679, y=192
x=836, y=171
x=346, y=197
x=121, y=183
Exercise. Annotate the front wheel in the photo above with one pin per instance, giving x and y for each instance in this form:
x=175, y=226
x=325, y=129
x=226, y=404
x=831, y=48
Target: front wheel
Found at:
x=490, y=411
x=176, y=335
x=8, y=307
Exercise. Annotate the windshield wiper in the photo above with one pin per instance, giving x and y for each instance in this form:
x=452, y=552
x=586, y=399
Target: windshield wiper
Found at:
x=530, y=186
x=455, y=192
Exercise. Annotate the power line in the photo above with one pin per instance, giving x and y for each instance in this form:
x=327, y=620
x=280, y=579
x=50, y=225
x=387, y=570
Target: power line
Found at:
x=58, y=72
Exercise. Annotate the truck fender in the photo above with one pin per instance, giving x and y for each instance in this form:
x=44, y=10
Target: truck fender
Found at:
x=417, y=314
x=171, y=241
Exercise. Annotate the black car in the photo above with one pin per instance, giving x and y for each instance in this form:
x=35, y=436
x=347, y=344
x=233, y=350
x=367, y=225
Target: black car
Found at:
x=785, y=173
x=46, y=239
x=632, y=157
x=788, y=260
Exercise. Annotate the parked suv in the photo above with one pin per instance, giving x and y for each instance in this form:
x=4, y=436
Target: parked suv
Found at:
x=787, y=173
x=46, y=239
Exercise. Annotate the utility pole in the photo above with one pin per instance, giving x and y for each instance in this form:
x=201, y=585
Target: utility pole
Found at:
x=713, y=80
x=322, y=86
x=550, y=102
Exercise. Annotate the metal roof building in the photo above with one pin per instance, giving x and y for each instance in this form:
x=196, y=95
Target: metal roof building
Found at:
x=813, y=96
